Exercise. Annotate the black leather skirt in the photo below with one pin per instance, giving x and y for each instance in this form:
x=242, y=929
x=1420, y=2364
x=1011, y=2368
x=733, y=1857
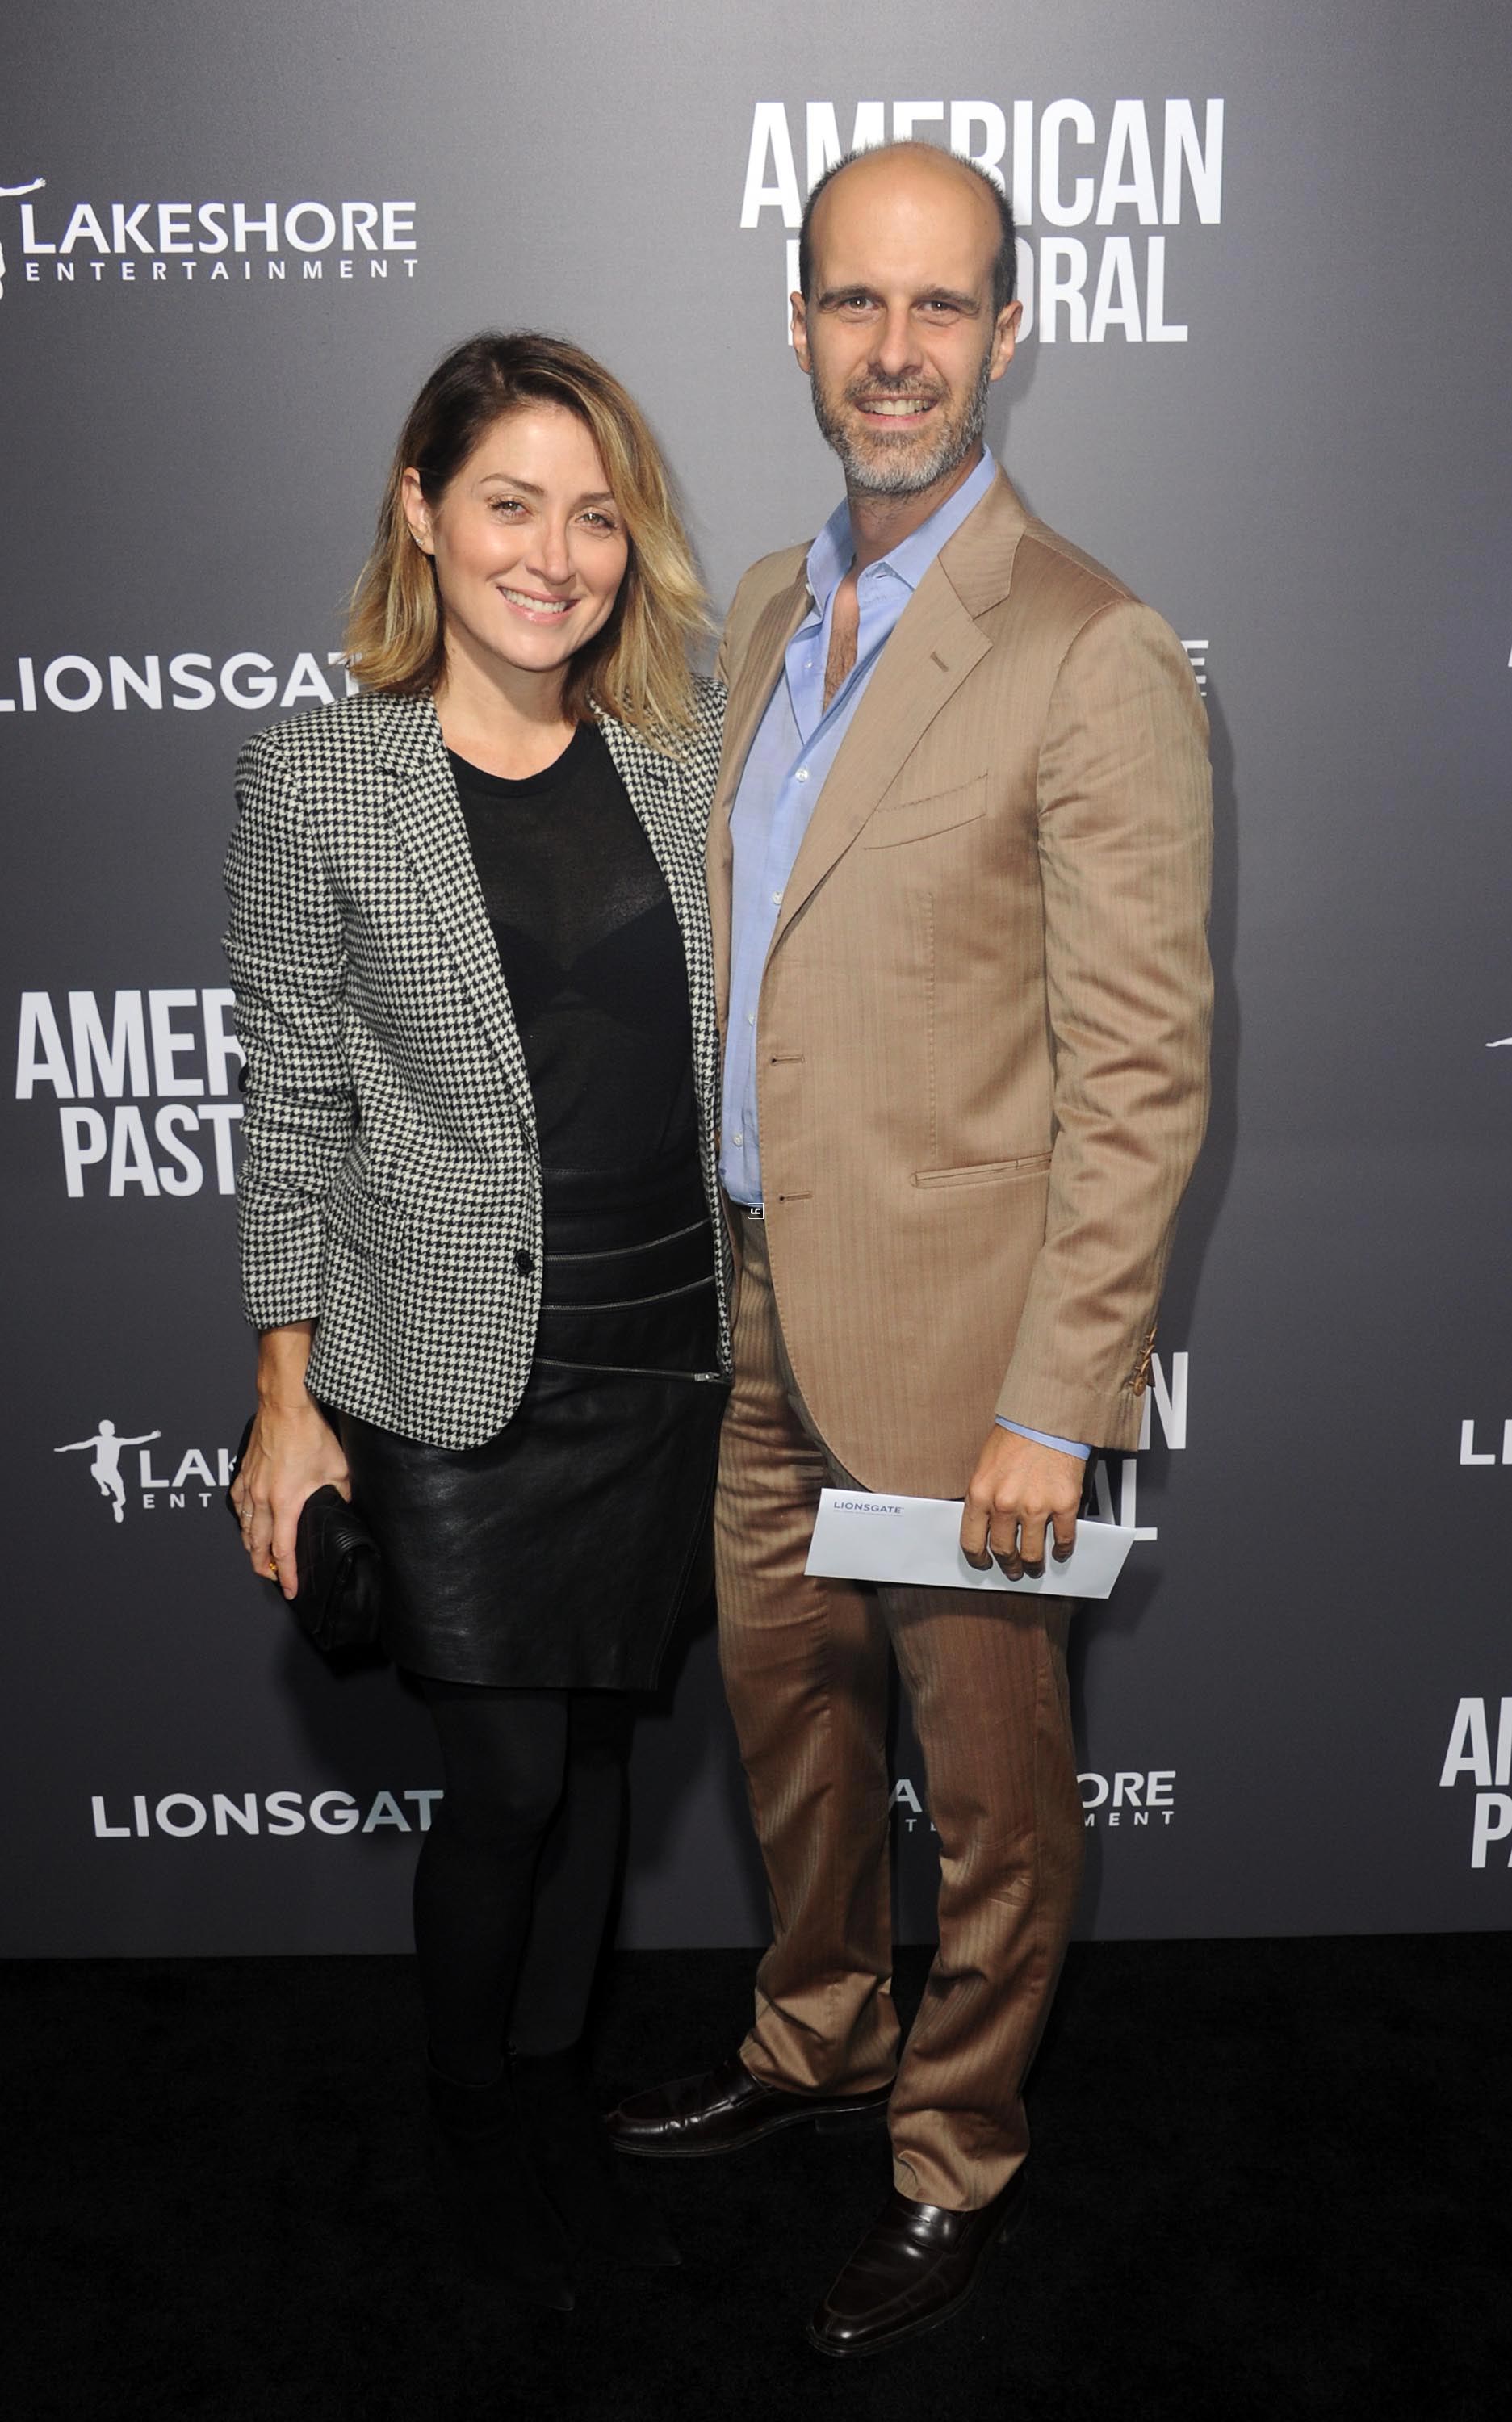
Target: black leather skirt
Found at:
x=559, y=1554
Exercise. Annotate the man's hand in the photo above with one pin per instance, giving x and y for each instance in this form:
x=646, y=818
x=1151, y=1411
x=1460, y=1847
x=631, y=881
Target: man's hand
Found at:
x=1018, y=1490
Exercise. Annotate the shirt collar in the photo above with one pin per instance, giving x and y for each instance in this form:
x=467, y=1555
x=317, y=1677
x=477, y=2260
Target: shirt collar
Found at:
x=833, y=551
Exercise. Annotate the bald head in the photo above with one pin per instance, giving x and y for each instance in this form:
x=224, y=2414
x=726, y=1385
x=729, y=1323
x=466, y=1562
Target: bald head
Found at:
x=922, y=192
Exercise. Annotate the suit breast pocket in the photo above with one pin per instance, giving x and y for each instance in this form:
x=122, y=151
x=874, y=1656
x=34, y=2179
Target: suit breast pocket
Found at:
x=942, y=811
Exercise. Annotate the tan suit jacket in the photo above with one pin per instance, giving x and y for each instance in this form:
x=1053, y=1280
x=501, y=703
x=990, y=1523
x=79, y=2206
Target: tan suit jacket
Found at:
x=984, y=1016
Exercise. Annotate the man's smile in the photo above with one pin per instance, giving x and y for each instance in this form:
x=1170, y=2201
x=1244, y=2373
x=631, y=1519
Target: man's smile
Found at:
x=896, y=407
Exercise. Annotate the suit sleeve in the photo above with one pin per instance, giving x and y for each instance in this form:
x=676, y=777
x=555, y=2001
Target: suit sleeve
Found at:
x=1124, y=806
x=287, y=955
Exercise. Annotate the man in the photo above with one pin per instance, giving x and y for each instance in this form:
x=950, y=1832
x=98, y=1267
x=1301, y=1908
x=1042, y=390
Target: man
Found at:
x=958, y=866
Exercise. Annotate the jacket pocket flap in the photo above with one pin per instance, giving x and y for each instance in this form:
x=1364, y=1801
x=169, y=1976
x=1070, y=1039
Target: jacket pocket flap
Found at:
x=986, y=1172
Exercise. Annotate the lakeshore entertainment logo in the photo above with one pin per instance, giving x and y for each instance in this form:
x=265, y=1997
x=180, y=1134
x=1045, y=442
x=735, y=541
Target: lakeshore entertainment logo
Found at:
x=1142, y=164
x=85, y=243
x=14, y=194
x=192, y=1476
x=178, y=1816
x=172, y=1048
x=75, y=685
x=1470, y=1752
x=1129, y=1798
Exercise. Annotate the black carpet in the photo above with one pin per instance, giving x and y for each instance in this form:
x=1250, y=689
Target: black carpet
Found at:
x=1270, y=2179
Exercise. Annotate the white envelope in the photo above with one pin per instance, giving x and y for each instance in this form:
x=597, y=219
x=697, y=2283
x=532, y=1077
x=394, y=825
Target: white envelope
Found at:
x=918, y=1539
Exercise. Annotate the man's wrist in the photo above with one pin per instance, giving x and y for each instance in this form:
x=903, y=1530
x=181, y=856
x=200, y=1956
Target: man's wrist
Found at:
x=1042, y=1438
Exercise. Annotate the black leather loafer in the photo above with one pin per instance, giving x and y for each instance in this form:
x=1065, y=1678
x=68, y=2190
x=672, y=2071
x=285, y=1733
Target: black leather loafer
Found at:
x=694, y=2117
x=917, y=2265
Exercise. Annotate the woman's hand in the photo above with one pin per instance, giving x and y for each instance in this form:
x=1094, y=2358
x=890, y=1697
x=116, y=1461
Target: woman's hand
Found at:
x=292, y=1451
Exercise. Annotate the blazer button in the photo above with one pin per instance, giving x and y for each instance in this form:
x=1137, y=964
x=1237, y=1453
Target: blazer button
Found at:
x=524, y=1262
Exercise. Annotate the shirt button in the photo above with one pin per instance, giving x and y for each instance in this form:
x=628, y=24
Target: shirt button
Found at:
x=750, y=1018
x=802, y=774
x=738, y=1138
x=524, y=1262
x=777, y=900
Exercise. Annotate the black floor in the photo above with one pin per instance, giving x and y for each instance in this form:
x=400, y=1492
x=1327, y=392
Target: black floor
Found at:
x=1270, y=2179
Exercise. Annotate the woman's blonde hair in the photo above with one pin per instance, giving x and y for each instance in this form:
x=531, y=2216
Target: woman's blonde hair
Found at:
x=637, y=666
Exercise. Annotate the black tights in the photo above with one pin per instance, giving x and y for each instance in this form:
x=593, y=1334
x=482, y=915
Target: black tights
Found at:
x=515, y=1874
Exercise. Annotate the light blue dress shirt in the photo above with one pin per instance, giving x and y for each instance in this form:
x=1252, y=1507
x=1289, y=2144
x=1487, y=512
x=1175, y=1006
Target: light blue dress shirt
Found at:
x=796, y=742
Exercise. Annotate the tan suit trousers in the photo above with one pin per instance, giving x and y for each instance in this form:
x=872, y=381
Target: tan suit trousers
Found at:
x=805, y=1664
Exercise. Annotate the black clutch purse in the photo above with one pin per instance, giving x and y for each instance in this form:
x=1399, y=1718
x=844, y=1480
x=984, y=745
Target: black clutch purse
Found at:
x=340, y=1571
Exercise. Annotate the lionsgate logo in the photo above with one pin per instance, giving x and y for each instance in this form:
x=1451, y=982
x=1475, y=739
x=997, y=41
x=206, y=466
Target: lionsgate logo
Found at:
x=1497, y=1450
x=1469, y=1753
x=1136, y=166
x=162, y=1063
x=85, y=243
x=179, y=1815
x=185, y=683
x=122, y=1468
x=1130, y=1797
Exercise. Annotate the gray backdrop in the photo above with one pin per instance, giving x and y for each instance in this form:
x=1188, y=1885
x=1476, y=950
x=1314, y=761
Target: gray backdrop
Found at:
x=1266, y=382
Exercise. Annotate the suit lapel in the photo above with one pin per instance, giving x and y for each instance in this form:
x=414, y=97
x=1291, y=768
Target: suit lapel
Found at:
x=754, y=681
x=935, y=645
x=426, y=814
x=927, y=658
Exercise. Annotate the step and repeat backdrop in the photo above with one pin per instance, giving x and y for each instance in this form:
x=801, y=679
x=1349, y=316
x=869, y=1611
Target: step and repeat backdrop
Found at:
x=1264, y=376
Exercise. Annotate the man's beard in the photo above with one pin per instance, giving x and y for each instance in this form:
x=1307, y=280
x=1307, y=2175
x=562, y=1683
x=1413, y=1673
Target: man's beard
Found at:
x=885, y=466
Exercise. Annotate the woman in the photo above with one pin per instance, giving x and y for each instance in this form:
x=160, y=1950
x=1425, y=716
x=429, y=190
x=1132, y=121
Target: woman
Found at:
x=470, y=949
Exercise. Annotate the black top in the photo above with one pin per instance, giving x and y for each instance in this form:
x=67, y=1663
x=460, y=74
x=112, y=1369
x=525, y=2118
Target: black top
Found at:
x=592, y=956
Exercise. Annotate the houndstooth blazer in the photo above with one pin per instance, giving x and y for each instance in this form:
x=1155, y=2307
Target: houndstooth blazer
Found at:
x=391, y=1188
